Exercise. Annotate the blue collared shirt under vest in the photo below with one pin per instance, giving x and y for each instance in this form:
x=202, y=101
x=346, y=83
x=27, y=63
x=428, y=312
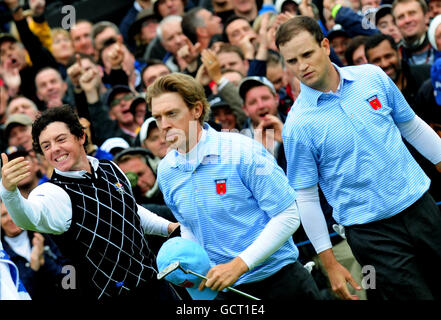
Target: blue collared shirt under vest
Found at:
x=227, y=196
x=348, y=142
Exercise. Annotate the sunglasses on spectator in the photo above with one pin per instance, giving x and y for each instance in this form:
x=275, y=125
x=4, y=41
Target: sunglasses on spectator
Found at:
x=127, y=97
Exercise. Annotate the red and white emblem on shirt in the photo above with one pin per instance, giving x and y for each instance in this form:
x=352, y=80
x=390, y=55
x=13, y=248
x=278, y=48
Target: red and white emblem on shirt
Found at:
x=374, y=102
x=221, y=186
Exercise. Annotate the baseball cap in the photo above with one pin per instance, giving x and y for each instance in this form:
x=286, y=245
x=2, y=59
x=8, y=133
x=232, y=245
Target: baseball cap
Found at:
x=16, y=119
x=191, y=256
x=216, y=101
x=336, y=31
x=254, y=81
x=14, y=152
x=148, y=124
x=143, y=15
x=114, y=91
x=435, y=74
x=114, y=145
x=431, y=31
x=137, y=100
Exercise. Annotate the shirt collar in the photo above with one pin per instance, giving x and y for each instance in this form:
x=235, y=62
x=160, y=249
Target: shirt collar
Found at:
x=80, y=173
x=313, y=94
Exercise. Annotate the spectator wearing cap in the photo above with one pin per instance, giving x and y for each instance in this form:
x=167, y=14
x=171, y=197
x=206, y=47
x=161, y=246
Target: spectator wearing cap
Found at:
x=142, y=31
x=132, y=15
x=381, y=50
x=339, y=40
x=114, y=145
x=153, y=139
x=265, y=122
x=434, y=34
x=222, y=113
x=412, y=19
x=18, y=130
x=138, y=108
x=385, y=23
x=137, y=163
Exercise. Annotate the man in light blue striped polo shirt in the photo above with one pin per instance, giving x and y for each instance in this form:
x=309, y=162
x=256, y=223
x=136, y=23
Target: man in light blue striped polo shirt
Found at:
x=344, y=132
x=230, y=196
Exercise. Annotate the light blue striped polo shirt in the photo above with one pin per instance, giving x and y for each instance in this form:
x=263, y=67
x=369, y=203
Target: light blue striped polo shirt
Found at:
x=227, y=197
x=348, y=142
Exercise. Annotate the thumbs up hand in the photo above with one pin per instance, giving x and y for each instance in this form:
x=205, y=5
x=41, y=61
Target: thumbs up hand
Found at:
x=14, y=171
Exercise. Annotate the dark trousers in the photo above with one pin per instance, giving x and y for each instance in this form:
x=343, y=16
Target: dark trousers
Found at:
x=405, y=251
x=292, y=282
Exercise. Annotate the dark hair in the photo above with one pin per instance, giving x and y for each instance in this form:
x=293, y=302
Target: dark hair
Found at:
x=227, y=22
x=190, y=21
x=151, y=63
x=374, y=40
x=296, y=25
x=353, y=45
x=64, y=114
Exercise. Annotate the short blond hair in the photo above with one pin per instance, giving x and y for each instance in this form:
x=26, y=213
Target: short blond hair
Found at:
x=186, y=86
x=56, y=31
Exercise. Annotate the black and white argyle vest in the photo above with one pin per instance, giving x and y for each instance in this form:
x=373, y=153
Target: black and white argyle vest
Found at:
x=105, y=241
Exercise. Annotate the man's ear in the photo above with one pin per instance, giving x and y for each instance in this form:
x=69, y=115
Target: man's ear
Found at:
x=112, y=115
x=326, y=45
x=197, y=110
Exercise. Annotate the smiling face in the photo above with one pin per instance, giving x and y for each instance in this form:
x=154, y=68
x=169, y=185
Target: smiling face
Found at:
x=260, y=101
x=81, y=39
x=50, y=86
x=411, y=20
x=386, y=58
x=62, y=149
